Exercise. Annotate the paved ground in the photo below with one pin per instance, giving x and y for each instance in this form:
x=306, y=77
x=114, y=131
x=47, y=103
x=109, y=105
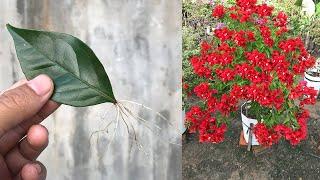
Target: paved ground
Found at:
x=229, y=161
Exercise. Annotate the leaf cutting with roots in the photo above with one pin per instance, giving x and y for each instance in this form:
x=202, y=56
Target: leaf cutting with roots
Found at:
x=79, y=77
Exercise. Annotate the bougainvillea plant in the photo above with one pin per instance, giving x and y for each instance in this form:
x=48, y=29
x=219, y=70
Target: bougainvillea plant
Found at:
x=252, y=57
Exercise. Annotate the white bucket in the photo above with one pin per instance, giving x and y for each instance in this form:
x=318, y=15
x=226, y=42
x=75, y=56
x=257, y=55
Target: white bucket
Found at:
x=246, y=124
x=312, y=81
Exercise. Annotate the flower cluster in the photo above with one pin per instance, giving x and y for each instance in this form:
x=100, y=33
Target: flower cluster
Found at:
x=251, y=58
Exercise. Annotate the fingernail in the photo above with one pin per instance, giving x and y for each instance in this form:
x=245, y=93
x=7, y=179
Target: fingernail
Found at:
x=40, y=85
x=38, y=168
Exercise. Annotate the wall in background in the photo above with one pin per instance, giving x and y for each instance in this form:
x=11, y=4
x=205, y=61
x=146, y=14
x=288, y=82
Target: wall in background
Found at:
x=139, y=43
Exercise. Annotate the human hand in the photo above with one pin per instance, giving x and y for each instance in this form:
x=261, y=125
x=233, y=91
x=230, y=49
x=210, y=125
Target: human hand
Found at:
x=22, y=138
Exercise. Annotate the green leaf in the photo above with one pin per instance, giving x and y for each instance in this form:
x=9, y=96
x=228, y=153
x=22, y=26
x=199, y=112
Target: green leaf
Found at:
x=298, y=3
x=79, y=77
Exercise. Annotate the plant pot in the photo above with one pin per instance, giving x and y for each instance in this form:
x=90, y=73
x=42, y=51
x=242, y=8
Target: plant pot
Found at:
x=246, y=121
x=312, y=81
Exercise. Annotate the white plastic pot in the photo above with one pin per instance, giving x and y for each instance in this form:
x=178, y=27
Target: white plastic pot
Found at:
x=312, y=81
x=246, y=124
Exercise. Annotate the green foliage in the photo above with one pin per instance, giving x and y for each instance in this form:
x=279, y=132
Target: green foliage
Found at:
x=196, y=19
x=298, y=3
x=301, y=25
x=318, y=9
x=314, y=29
x=78, y=75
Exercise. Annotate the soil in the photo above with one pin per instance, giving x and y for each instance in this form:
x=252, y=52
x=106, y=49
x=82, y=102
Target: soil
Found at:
x=228, y=160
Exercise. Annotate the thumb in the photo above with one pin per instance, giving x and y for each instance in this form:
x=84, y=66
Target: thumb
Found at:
x=24, y=101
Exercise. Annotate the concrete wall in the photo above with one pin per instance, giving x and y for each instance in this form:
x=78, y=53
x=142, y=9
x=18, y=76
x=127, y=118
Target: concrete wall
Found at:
x=139, y=43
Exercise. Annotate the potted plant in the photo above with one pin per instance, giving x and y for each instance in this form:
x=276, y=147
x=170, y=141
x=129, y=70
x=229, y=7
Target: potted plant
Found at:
x=251, y=59
x=312, y=76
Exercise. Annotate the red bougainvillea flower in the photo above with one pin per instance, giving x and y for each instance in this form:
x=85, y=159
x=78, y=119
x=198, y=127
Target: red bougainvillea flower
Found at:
x=250, y=36
x=205, y=47
x=185, y=86
x=246, y=4
x=204, y=91
x=226, y=104
x=225, y=74
x=209, y=131
x=281, y=19
x=265, y=136
x=218, y=11
x=211, y=105
x=307, y=95
x=290, y=45
x=266, y=35
x=193, y=118
x=224, y=47
x=264, y=10
x=297, y=135
x=200, y=68
x=240, y=38
x=223, y=34
x=281, y=31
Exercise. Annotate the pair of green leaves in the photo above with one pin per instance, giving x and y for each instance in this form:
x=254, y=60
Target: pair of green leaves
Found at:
x=79, y=77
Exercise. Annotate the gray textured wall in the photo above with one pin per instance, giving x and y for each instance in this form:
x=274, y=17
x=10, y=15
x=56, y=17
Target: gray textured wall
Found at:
x=139, y=43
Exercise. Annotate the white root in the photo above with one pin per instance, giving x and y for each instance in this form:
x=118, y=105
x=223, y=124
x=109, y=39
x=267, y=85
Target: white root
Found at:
x=139, y=118
x=122, y=113
x=156, y=112
x=135, y=139
x=128, y=130
x=135, y=117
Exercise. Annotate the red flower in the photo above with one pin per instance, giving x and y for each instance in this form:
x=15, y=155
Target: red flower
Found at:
x=281, y=19
x=264, y=10
x=200, y=68
x=246, y=4
x=240, y=39
x=250, y=36
x=255, y=57
x=233, y=16
x=204, y=91
x=306, y=95
x=205, y=47
x=225, y=74
x=237, y=92
x=285, y=76
x=223, y=34
x=194, y=117
x=185, y=86
x=265, y=136
x=224, y=47
x=226, y=104
x=218, y=11
x=290, y=45
x=266, y=35
x=281, y=31
x=211, y=105
x=210, y=132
